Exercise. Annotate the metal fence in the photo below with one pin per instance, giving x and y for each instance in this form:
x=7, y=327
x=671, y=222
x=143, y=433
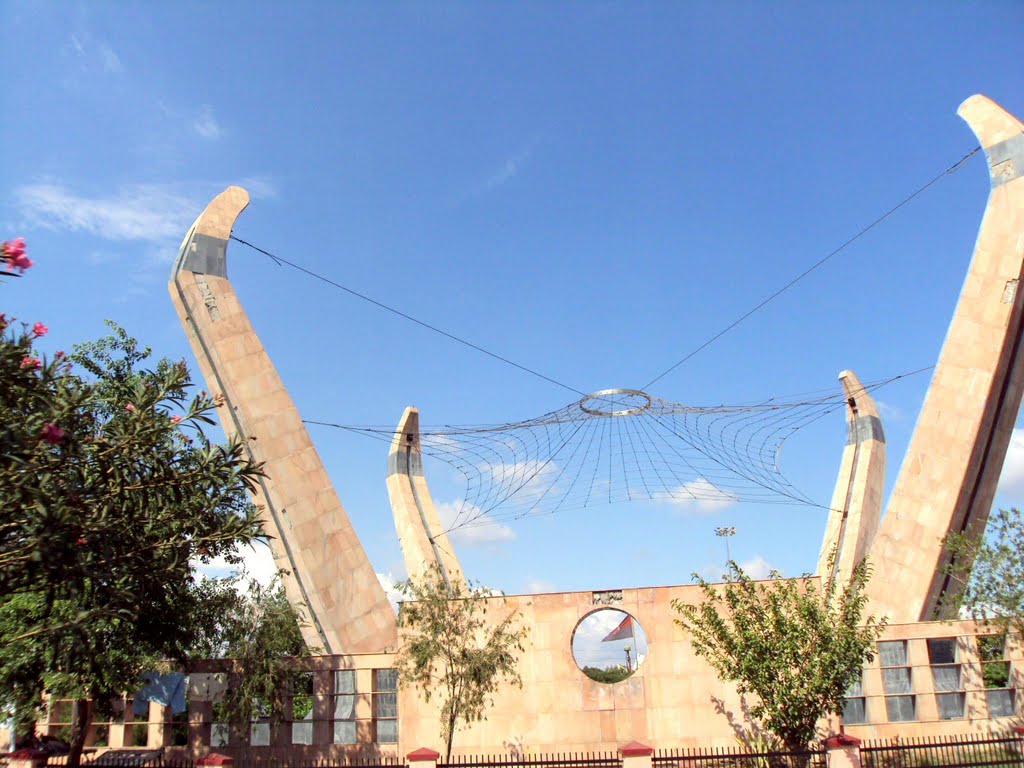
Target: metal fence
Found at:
x=948, y=752
x=151, y=759
x=730, y=758
x=566, y=760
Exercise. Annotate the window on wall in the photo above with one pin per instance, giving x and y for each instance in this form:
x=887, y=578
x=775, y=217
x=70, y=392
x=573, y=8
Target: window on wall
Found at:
x=61, y=718
x=344, y=706
x=899, y=699
x=220, y=734
x=385, y=705
x=943, y=657
x=302, y=708
x=995, y=671
x=259, y=728
x=855, y=705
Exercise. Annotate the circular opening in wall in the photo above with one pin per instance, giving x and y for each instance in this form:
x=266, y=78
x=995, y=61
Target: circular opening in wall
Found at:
x=609, y=645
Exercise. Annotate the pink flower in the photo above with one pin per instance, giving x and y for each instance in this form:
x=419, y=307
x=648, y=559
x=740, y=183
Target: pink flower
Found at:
x=31, y=362
x=14, y=254
x=15, y=247
x=130, y=408
x=52, y=433
x=59, y=354
x=175, y=419
x=39, y=329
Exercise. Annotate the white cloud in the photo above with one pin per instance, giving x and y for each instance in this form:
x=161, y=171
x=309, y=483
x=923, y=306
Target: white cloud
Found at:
x=258, y=187
x=479, y=527
x=510, y=167
x=109, y=59
x=257, y=565
x=93, y=54
x=889, y=411
x=1011, y=481
x=206, y=125
x=153, y=212
x=389, y=584
x=698, y=496
x=757, y=567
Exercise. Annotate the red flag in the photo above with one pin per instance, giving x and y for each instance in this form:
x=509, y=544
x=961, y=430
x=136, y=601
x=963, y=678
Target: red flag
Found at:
x=621, y=632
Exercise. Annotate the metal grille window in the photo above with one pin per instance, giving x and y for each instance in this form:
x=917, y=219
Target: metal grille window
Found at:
x=892, y=656
x=385, y=705
x=302, y=708
x=944, y=660
x=220, y=734
x=995, y=671
x=259, y=729
x=344, y=706
x=855, y=705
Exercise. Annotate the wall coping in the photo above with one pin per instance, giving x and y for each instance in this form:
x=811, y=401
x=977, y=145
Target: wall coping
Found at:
x=635, y=749
x=842, y=740
x=422, y=754
x=215, y=758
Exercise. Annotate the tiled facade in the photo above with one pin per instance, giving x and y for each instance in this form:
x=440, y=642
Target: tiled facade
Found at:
x=928, y=679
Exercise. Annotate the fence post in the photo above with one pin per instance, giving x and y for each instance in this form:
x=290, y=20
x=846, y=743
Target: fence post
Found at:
x=843, y=751
x=1019, y=730
x=636, y=755
x=26, y=758
x=215, y=758
x=423, y=758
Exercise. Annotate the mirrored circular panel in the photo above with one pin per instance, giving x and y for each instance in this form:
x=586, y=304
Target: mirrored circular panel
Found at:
x=609, y=645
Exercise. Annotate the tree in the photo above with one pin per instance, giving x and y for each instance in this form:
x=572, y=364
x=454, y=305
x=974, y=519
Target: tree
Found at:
x=109, y=492
x=798, y=646
x=449, y=647
x=993, y=593
x=257, y=633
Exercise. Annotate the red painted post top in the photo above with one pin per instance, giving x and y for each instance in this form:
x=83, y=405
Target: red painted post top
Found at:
x=215, y=758
x=635, y=749
x=1019, y=730
x=842, y=740
x=422, y=754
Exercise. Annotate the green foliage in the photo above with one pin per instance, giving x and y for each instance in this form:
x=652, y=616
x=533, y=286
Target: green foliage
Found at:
x=109, y=492
x=794, y=644
x=995, y=670
x=994, y=592
x=614, y=674
x=259, y=633
x=449, y=648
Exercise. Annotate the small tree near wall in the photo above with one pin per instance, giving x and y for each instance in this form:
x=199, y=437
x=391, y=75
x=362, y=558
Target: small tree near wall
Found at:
x=449, y=649
x=798, y=646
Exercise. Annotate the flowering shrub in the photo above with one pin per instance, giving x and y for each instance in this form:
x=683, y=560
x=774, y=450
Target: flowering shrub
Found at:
x=105, y=503
x=13, y=253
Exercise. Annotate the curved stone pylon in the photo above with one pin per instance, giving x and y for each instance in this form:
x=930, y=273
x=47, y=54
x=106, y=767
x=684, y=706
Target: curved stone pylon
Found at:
x=857, y=500
x=422, y=538
x=948, y=478
x=327, y=571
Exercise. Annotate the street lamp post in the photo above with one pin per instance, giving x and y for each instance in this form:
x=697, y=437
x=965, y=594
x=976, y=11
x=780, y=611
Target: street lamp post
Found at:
x=726, y=532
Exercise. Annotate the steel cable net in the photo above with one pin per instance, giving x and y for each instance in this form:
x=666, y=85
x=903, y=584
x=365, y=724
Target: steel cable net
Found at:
x=621, y=445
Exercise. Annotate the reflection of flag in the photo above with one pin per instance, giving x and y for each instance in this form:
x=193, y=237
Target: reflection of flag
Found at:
x=621, y=632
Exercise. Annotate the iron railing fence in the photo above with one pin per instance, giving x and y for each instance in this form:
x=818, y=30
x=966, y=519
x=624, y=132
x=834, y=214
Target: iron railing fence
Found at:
x=126, y=759
x=967, y=751
x=728, y=757
x=564, y=760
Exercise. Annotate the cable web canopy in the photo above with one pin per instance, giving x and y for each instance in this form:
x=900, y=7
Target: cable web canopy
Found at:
x=621, y=445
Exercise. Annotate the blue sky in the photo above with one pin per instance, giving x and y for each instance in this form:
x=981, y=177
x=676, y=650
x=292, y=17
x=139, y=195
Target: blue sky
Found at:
x=591, y=189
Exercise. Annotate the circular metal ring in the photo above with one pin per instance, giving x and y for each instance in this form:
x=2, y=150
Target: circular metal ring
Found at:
x=624, y=412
